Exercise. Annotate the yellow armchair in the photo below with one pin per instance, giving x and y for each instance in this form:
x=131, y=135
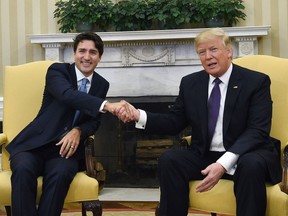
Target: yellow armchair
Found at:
x=23, y=90
x=221, y=200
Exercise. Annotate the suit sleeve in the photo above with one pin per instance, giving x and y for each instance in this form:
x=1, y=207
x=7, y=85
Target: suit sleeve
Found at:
x=170, y=123
x=59, y=85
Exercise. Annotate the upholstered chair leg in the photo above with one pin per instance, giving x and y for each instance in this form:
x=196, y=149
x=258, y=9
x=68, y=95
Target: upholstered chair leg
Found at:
x=8, y=210
x=94, y=206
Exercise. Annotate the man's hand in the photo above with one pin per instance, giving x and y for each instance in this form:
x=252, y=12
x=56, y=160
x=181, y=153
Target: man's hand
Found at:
x=123, y=110
x=69, y=143
x=213, y=173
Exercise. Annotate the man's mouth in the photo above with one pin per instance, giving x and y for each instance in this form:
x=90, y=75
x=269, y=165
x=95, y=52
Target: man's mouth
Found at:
x=86, y=63
x=212, y=64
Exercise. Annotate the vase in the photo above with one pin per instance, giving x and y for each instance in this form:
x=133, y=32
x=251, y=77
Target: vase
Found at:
x=214, y=22
x=84, y=27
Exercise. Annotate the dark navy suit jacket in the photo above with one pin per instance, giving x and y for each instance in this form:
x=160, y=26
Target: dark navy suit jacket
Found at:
x=60, y=101
x=246, y=120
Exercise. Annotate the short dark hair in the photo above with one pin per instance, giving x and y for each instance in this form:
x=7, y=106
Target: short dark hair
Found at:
x=89, y=36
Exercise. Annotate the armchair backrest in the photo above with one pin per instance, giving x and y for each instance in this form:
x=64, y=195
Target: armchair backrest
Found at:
x=277, y=69
x=23, y=91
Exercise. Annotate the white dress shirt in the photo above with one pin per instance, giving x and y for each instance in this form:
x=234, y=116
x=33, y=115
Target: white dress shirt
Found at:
x=228, y=159
x=80, y=76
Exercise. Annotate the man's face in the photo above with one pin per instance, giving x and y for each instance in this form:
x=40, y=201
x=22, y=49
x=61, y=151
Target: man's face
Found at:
x=86, y=57
x=215, y=56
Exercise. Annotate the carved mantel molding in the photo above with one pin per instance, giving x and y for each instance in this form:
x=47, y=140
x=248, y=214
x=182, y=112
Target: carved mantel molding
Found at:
x=149, y=47
x=141, y=63
x=164, y=55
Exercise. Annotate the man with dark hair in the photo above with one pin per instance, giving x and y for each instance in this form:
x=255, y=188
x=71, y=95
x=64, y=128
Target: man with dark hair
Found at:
x=52, y=145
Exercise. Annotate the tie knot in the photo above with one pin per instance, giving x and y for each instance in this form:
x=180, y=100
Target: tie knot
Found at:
x=84, y=81
x=217, y=81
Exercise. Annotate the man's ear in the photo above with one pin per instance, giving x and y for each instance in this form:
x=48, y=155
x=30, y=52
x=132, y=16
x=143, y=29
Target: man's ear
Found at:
x=230, y=52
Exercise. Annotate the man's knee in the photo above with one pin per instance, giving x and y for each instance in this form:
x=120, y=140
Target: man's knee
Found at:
x=167, y=158
x=252, y=164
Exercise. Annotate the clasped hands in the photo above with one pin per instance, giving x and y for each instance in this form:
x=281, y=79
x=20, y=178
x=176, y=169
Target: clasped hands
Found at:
x=123, y=110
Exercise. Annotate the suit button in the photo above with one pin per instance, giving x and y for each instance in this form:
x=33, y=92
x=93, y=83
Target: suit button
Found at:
x=65, y=128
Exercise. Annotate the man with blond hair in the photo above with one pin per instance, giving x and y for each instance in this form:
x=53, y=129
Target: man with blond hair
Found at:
x=229, y=109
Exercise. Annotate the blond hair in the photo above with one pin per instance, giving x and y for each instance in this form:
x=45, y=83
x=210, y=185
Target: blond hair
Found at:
x=213, y=33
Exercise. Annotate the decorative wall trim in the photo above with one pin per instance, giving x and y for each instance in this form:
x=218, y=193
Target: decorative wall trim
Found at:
x=122, y=36
x=147, y=55
x=143, y=63
x=154, y=43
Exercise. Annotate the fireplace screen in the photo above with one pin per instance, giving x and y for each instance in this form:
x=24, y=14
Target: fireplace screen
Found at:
x=129, y=155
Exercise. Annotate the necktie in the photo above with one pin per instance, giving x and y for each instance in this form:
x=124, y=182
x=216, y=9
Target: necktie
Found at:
x=213, y=108
x=83, y=88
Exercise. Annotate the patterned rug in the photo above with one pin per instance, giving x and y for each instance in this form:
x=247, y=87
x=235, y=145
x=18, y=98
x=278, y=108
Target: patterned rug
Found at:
x=117, y=212
x=125, y=213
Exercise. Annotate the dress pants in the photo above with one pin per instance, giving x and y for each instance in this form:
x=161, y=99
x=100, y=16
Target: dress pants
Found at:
x=57, y=174
x=177, y=167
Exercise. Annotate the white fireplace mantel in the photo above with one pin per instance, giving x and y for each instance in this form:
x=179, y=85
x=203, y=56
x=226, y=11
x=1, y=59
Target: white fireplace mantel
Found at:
x=58, y=47
x=141, y=63
x=116, y=36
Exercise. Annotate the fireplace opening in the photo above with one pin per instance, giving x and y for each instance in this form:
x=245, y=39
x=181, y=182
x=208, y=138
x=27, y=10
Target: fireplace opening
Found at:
x=129, y=155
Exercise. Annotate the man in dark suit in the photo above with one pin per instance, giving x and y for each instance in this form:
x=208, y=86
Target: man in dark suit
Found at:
x=52, y=144
x=239, y=147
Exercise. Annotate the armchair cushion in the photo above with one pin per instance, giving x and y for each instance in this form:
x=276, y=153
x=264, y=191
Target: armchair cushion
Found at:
x=87, y=190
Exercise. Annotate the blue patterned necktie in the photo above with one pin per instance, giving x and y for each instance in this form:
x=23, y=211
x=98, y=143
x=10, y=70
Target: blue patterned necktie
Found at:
x=213, y=108
x=83, y=88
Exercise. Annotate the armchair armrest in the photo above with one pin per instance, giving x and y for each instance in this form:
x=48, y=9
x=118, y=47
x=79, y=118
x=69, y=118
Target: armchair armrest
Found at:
x=185, y=142
x=3, y=138
x=284, y=183
x=94, y=169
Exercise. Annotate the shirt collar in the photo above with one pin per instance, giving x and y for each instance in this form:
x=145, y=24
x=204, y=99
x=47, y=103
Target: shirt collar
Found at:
x=224, y=78
x=80, y=75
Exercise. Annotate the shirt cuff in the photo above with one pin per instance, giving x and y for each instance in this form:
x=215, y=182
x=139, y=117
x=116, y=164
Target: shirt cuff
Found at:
x=141, y=124
x=102, y=107
x=228, y=161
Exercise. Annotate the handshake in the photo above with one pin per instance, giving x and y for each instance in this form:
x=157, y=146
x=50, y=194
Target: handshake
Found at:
x=123, y=110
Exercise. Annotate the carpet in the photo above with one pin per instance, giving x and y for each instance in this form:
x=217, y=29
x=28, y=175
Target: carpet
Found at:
x=114, y=212
x=120, y=209
x=125, y=213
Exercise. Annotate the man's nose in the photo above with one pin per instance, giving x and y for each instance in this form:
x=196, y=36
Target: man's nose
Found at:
x=87, y=55
x=208, y=54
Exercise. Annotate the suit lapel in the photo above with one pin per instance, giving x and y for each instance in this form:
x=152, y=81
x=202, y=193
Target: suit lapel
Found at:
x=94, y=85
x=73, y=76
x=233, y=90
x=202, y=101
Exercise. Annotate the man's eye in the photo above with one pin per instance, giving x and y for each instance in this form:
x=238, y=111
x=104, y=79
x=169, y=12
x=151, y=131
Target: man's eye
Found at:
x=201, y=53
x=214, y=49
